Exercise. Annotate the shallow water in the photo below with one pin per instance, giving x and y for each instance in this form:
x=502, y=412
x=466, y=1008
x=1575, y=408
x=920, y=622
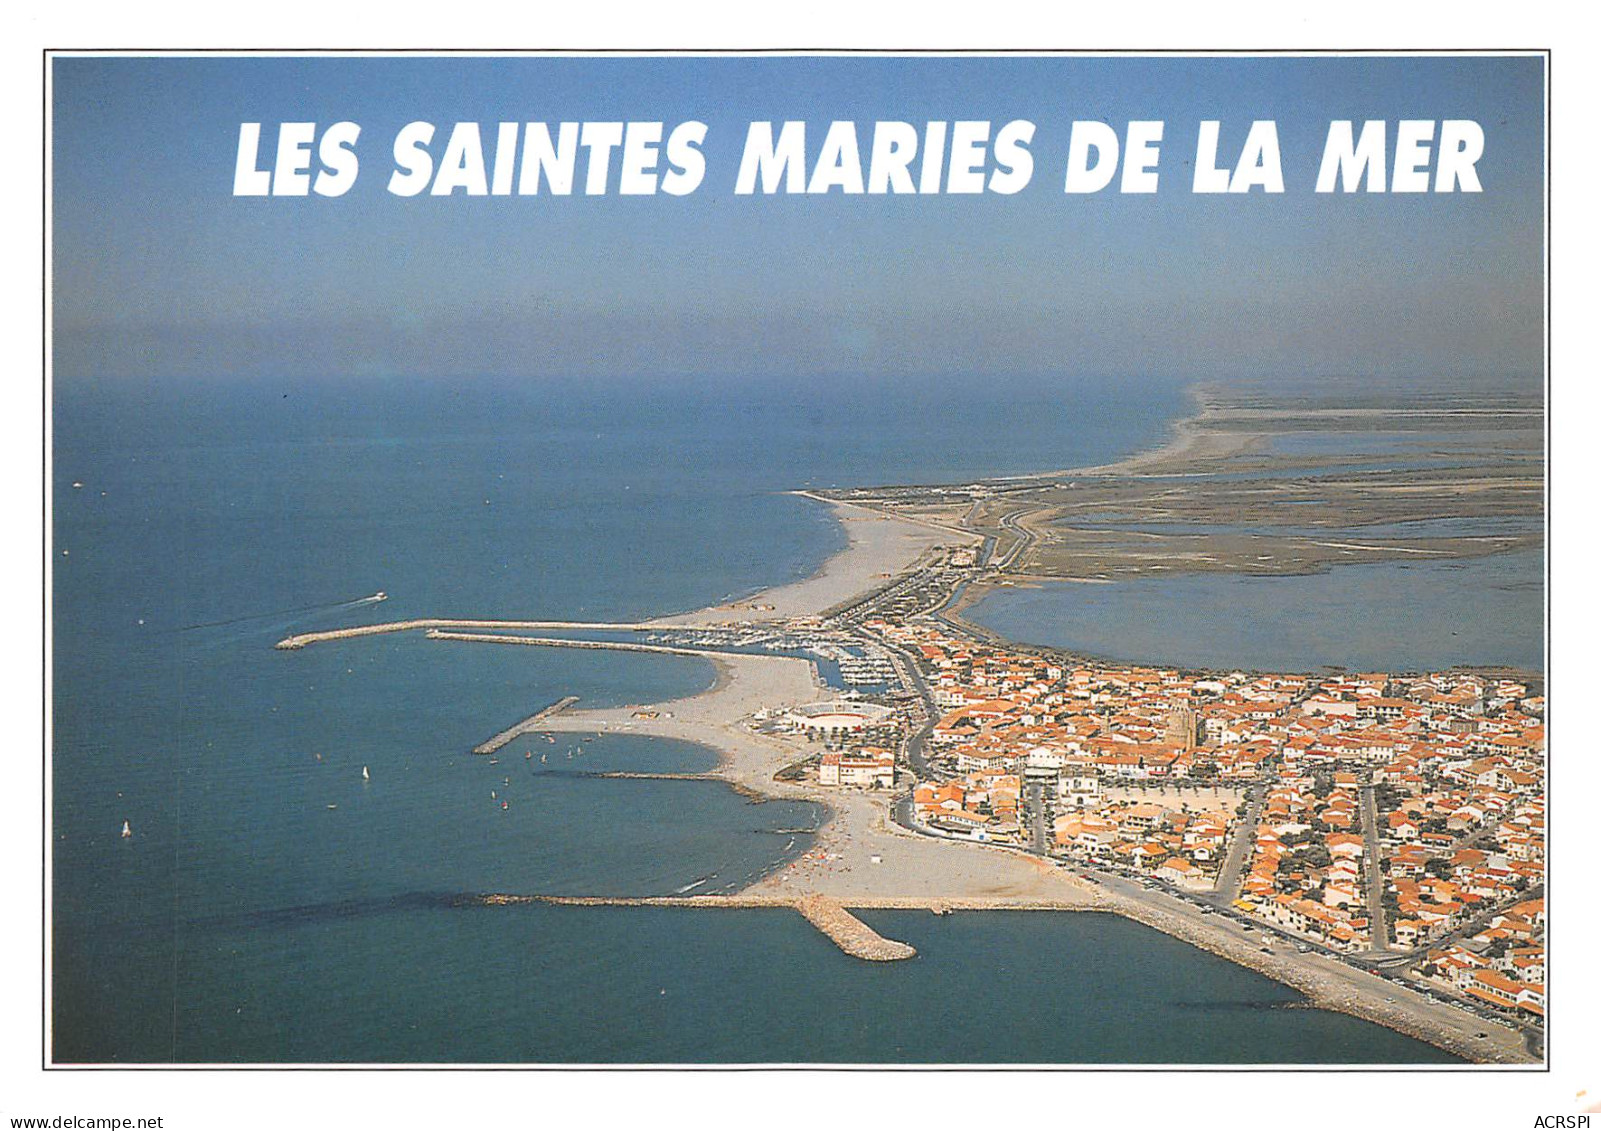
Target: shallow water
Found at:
x=1375, y=616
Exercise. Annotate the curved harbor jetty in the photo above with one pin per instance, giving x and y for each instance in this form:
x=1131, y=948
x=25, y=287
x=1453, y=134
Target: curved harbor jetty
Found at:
x=301, y=640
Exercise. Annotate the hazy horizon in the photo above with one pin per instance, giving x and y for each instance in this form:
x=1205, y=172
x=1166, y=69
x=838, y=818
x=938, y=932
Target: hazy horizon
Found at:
x=160, y=271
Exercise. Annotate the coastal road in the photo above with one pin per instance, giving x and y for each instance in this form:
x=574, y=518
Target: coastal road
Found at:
x=1379, y=994
x=916, y=747
x=1380, y=929
x=1023, y=538
x=987, y=550
x=904, y=813
x=1533, y=1033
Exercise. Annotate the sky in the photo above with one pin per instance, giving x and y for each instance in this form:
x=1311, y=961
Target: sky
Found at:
x=160, y=271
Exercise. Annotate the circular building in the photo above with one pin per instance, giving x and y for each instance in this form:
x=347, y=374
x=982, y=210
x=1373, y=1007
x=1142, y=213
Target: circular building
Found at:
x=837, y=717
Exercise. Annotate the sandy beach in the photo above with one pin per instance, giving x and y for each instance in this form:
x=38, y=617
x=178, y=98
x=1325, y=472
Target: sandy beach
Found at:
x=862, y=859
x=878, y=548
x=1188, y=441
x=841, y=863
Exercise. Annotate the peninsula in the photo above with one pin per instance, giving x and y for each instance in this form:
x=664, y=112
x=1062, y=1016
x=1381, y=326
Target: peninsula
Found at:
x=1374, y=840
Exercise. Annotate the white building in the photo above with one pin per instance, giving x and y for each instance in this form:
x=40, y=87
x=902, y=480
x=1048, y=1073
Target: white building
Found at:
x=868, y=768
x=1078, y=791
x=838, y=717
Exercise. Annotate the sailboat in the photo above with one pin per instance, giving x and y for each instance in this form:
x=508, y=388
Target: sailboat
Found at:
x=365, y=776
x=127, y=831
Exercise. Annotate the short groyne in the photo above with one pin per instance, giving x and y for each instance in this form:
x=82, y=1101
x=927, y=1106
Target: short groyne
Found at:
x=1322, y=989
x=738, y=787
x=829, y=916
x=849, y=933
x=649, y=775
x=489, y=746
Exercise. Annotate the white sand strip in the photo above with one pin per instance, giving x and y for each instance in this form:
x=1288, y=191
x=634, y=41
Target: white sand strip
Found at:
x=879, y=548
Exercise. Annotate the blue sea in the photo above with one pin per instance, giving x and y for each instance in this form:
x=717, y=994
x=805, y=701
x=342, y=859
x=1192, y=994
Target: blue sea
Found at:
x=275, y=905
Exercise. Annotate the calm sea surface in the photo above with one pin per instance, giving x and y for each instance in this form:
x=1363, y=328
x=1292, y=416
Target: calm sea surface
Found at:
x=272, y=905
x=1373, y=616
x=1405, y=615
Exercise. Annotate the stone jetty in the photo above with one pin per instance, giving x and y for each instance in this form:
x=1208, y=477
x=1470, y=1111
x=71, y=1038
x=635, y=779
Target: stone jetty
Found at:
x=849, y=933
x=560, y=642
x=1322, y=989
x=489, y=746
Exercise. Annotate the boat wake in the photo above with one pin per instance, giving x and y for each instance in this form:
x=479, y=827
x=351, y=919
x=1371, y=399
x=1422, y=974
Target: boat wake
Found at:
x=332, y=911
x=278, y=614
